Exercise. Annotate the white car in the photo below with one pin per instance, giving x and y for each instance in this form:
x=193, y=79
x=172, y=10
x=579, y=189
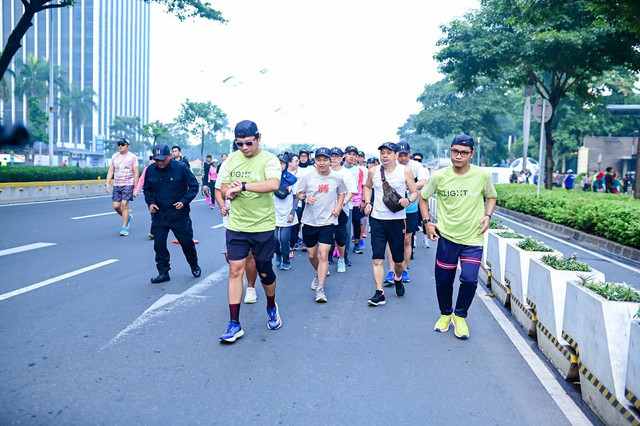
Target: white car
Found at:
x=532, y=165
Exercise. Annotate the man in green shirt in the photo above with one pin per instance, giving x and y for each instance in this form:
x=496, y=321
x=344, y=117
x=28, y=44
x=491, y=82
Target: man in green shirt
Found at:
x=462, y=218
x=249, y=179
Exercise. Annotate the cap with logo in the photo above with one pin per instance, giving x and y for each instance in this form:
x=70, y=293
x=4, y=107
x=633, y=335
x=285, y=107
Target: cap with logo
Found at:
x=360, y=153
x=323, y=151
x=246, y=128
x=388, y=145
x=123, y=141
x=283, y=157
x=160, y=152
x=403, y=147
x=337, y=151
x=304, y=151
x=351, y=148
x=464, y=140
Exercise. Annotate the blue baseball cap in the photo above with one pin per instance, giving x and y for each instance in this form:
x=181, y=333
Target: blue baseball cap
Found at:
x=360, y=153
x=283, y=157
x=351, y=148
x=337, y=151
x=160, y=152
x=246, y=128
x=464, y=140
x=404, y=147
x=323, y=151
x=389, y=145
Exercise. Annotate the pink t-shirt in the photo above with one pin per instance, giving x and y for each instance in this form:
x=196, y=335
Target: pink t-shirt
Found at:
x=123, y=168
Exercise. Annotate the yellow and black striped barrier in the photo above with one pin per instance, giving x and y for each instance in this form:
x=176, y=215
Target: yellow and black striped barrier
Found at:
x=502, y=286
x=632, y=398
x=571, y=357
x=606, y=393
x=532, y=316
x=533, y=305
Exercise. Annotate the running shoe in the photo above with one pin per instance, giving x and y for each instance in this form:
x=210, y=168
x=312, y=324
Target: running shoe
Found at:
x=405, y=277
x=347, y=262
x=296, y=246
x=314, y=283
x=341, y=266
x=364, y=234
x=336, y=252
x=460, y=328
x=303, y=247
x=250, y=296
x=377, y=299
x=357, y=249
x=291, y=254
x=124, y=231
x=399, y=289
x=285, y=266
x=320, y=296
x=389, y=278
x=234, y=331
x=129, y=220
x=425, y=243
x=274, y=322
x=442, y=325
x=278, y=260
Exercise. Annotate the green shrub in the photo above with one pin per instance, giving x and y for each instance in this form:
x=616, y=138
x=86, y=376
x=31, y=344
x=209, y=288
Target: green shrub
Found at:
x=562, y=263
x=612, y=216
x=620, y=292
x=48, y=174
x=496, y=224
x=508, y=234
x=531, y=244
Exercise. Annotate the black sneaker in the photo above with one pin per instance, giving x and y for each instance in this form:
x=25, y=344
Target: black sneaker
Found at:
x=399, y=288
x=377, y=299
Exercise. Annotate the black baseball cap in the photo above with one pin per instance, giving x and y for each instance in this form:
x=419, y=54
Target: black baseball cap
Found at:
x=337, y=151
x=323, y=151
x=246, y=128
x=351, y=148
x=123, y=140
x=389, y=145
x=160, y=152
x=305, y=151
x=403, y=147
x=360, y=153
x=464, y=140
x=283, y=157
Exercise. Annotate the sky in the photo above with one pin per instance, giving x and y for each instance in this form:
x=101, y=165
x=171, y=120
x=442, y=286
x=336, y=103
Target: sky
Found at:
x=330, y=73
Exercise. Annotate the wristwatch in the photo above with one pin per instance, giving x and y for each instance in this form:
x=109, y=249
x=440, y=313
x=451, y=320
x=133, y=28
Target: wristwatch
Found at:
x=244, y=186
x=430, y=220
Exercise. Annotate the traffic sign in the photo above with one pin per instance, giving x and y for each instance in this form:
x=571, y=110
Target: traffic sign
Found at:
x=537, y=110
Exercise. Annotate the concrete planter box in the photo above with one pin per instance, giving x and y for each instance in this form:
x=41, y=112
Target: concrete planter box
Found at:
x=598, y=329
x=547, y=294
x=484, y=274
x=517, y=278
x=632, y=383
x=496, y=258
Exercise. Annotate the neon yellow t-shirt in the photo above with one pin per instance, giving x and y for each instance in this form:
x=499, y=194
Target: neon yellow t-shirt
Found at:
x=460, y=205
x=252, y=212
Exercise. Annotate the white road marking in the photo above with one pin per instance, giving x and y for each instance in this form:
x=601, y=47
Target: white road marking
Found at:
x=569, y=408
x=25, y=248
x=220, y=225
x=56, y=279
x=564, y=241
x=55, y=201
x=92, y=215
x=171, y=302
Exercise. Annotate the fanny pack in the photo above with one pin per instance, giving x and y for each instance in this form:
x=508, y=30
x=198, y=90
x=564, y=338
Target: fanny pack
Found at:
x=391, y=198
x=281, y=192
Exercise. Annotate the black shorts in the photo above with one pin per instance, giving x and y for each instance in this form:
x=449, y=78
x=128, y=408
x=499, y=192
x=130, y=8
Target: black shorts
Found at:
x=312, y=235
x=262, y=244
x=341, y=229
x=121, y=193
x=387, y=231
x=412, y=223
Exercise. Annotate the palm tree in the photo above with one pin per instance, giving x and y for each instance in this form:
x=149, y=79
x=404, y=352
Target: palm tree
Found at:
x=79, y=105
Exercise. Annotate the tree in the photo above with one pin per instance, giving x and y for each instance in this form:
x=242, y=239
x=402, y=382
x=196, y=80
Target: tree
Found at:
x=156, y=131
x=80, y=104
x=183, y=9
x=419, y=142
x=556, y=49
x=128, y=128
x=200, y=119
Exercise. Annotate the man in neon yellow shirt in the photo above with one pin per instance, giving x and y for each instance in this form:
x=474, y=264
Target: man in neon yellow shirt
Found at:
x=249, y=179
x=462, y=218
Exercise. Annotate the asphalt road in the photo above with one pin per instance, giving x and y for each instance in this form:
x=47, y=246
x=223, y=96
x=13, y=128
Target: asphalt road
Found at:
x=104, y=346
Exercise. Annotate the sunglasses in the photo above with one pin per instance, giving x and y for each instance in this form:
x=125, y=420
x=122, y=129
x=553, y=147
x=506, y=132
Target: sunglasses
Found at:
x=247, y=143
x=418, y=159
x=122, y=144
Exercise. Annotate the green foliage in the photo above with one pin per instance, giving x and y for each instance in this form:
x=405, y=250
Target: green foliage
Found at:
x=496, y=224
x=200, y=117
x=562, y=263
x=185, y=9
x=612, y=216
x=297, y=147
x=80, y=103
x=509, y=234
x=129, y=128
x=37, y=120
x=620, y=292
x=48, y=174
x=531, y=244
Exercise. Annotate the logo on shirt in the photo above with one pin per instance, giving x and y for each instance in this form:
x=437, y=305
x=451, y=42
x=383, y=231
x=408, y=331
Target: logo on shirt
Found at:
x=241, y=175
x=323, y=188
x=459, y=193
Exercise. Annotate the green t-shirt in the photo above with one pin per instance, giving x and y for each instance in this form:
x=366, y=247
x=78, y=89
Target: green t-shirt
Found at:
x=250, y=211
x=460, y=205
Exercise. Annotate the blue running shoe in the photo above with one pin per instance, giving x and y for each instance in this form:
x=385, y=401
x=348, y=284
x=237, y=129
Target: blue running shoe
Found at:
x=124, y=232
x=347, y=262
x=278, y=260
x=285, y=266
x=389, y=278
x=234, y=331
x=405, y=277
x=274, y=322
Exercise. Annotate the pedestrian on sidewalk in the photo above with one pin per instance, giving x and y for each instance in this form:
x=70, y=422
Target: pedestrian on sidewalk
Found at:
x=250, y=177
x=462, y=218
x=169, y=188
x=323, y=190
x=389, y=183
x=125, y=173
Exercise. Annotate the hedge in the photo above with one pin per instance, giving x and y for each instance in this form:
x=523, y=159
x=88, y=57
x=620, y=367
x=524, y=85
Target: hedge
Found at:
x=48, y=174
x=615, y=217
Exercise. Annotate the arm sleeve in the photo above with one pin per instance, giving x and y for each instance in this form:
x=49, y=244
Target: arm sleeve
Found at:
x=430, y=188
x=272, y=168
x=141, y=180
x=489, y=190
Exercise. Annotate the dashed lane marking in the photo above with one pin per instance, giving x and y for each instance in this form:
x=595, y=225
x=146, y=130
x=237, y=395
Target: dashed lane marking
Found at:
x=27, y=247
x=92, y=215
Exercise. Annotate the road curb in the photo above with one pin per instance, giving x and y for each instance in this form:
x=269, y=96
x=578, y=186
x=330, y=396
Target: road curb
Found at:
x=573, y=234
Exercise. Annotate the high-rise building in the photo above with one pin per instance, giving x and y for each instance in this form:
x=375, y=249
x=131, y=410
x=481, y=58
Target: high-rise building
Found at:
x=100, y=44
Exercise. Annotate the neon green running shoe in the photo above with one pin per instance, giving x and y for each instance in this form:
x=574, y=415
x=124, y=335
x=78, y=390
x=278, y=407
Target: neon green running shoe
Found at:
x=442, y=326
x=460, y=328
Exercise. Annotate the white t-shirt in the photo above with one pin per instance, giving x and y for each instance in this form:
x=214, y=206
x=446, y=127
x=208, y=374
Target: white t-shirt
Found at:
x=283, y=209
x=326, y=190
x=351, y=182
x=123, y=174
x=397, y=181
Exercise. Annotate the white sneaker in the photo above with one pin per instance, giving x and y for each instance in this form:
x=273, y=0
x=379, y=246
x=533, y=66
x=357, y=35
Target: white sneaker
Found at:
x=314, y=283
x=250, y=296
x=341, y=266
x=426, y=244
x=320, y=296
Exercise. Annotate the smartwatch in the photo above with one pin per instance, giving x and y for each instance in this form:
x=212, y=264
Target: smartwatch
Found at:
x=244, y=186
x=430, y=220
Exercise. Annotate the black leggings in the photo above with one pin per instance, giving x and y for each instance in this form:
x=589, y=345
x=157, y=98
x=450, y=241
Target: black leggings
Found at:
x=356, y=220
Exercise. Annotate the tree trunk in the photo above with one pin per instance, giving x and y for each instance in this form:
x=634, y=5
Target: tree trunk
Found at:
x=13, y=42
x=548, y=156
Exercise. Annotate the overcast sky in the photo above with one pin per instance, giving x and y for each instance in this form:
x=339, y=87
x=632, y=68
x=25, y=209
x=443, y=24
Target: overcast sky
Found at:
x=337, y=72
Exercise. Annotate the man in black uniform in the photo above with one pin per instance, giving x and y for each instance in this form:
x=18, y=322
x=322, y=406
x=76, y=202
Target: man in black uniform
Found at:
x=176, y=151
x=169, y=187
